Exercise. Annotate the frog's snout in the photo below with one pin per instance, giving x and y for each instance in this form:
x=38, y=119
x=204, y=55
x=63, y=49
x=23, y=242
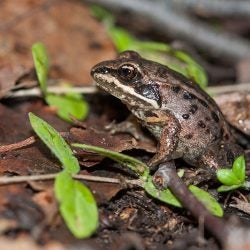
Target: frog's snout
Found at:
x=100, y=69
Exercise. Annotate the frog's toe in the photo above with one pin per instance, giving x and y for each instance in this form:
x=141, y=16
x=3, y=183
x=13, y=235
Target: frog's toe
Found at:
x=124, y=127
x=199, y=176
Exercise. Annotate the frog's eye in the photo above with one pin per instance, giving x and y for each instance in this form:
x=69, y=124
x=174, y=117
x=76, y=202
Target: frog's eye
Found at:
x=127, y=72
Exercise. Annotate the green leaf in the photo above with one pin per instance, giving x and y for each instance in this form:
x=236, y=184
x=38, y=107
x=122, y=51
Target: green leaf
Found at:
x=196, y=73
x=141, y=169
x=151, y=46
x=121, y=38
x=239, y=168
x=224, y=188
x=165, y=195
x=156, y=51
x=77, y=205
x=55, y=143
x=41, y=62
x=193, y=69
x=137, y=166
x=68, y=104
x=207, y=200
x=227, y=177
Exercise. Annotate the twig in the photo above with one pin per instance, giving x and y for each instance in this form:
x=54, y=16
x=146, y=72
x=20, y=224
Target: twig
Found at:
x=21, y=144
x=166, y=176
x=170, y=21
x=90, y=89
x=242, y=87
x=4, y=180
x=236, y=8
x=229, y=236
x=24, y=143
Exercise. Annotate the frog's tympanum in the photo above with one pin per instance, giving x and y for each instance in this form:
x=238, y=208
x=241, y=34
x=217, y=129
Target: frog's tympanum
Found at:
x=185, y=121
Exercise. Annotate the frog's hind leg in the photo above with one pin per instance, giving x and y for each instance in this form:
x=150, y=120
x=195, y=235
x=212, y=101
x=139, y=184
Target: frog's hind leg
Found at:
x=217, y=155
x=220, y=155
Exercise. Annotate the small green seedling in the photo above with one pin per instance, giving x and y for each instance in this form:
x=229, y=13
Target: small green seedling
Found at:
x=67, y=105
x=77, y=204
x=139, y=167
x=156, y=51
x=142, y=170
x=41, y=62
x=233, y=178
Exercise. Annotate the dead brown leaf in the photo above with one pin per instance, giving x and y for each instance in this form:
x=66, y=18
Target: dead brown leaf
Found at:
x=61, y=26
x=118, y=143
x=104, y=192
x=36, y=158
x=241, y=205
x=47, y=202
x=236, y=108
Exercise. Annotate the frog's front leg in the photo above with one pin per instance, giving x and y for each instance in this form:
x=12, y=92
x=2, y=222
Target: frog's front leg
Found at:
x=168, y=138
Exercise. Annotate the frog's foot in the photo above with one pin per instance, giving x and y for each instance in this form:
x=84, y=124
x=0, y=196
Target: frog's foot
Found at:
x=220, y=155
x=156, y=160
x=128, y=127
x=201, y=175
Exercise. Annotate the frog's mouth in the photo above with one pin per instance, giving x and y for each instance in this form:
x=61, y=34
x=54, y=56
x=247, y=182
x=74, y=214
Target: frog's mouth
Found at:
x=125, y=93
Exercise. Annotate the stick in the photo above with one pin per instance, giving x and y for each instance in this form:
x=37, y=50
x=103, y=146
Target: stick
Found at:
x=166, y=176
x=5, y=180
x=21, y=144
x=91, y=89
x=229, y=236
x=233, y=8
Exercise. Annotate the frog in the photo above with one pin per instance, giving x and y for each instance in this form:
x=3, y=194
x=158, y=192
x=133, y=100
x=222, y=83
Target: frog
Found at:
x=185, y=121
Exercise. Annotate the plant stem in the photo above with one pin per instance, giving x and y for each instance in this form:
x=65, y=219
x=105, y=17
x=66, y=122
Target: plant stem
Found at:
x=5, y=180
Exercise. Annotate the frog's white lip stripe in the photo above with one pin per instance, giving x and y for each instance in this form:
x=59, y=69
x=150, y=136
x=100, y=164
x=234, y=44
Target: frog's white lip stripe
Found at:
x=128, y=90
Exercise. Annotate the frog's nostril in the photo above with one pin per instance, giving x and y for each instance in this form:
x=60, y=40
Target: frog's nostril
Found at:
x=100, y=70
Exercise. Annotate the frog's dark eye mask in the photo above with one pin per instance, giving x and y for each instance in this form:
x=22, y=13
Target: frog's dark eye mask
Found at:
x=129, y=74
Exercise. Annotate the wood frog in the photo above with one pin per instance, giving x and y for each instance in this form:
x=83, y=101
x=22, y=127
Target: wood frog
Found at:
x=185, y=120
